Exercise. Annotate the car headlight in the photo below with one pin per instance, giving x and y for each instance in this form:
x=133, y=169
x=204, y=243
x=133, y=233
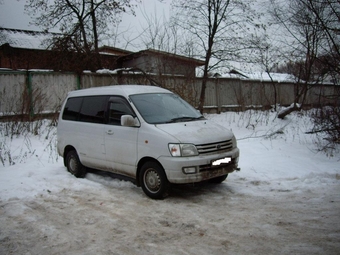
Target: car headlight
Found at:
x=182, y=149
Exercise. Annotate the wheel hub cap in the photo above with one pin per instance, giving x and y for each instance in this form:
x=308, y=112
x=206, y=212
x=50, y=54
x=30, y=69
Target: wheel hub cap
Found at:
x=152, y=180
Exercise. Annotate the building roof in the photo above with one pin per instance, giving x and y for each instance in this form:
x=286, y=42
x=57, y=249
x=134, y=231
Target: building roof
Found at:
x=27, y=39
x=147, y=52
x=113, y=51
x=263, y=76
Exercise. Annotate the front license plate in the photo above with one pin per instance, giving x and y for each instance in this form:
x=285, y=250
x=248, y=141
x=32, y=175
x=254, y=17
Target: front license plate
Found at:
x=221, y=161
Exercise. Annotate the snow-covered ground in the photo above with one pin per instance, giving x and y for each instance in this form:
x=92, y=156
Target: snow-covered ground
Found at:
x=285, y=199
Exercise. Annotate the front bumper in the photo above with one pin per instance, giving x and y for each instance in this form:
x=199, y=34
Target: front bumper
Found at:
x=174, y=166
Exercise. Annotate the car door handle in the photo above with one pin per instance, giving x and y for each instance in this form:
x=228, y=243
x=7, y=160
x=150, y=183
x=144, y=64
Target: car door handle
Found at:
x=109, y=132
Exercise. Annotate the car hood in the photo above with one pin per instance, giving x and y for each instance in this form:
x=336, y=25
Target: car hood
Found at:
x=196, y=132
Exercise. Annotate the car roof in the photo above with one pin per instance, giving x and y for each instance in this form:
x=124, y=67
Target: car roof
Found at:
x=123, y=90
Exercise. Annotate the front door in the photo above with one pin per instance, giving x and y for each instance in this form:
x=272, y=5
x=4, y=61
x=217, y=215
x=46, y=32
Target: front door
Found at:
x=120, y=141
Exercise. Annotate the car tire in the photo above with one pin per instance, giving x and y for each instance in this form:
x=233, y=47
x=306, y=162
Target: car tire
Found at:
x=74, y=165
x=153, y=180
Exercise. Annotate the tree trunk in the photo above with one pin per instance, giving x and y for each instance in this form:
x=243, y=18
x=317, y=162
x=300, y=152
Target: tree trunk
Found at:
x=95, y=36
x=294, y=107
x=205, y=74
x=202, y=96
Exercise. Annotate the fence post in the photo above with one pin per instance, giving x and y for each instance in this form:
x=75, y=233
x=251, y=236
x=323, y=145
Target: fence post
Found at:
x=30, y=93
x=218, y=95
x=78, y=81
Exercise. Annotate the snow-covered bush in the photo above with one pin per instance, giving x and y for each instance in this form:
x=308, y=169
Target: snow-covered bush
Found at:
x=17, y=145
x=327, y=121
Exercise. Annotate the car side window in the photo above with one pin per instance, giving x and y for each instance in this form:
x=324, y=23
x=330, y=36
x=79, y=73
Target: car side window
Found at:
x=93, y=109
x=72, y=108
x=118, y=106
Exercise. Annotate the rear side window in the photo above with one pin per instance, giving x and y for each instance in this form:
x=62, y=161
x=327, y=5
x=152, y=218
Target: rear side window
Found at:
x=72, y=108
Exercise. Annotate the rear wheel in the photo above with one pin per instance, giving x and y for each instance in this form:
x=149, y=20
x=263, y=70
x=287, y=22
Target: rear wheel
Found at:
x=153, y=180
x=219, y=179
x=74, y=166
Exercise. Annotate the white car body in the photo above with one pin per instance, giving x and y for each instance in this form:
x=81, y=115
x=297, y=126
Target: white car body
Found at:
x=123, y=148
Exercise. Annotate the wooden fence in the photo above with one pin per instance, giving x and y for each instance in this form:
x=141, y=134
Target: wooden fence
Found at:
x=36, y=92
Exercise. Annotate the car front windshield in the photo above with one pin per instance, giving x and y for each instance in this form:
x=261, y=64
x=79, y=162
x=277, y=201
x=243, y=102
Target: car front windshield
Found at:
x=158, y=108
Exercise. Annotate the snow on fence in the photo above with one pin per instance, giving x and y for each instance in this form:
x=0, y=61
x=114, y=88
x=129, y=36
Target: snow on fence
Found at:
x=36, y=92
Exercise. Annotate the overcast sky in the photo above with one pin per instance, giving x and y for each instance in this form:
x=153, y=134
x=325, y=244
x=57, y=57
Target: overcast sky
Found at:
x=12, y=15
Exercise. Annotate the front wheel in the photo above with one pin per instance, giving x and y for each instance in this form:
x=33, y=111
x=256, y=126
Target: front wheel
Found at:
x=74, y=165
x=153, y=180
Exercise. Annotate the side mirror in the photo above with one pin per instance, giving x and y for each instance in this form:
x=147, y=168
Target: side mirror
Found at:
x=129, y=121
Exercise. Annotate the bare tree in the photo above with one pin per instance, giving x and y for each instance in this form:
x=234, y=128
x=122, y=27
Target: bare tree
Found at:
x=268, y=57
x=313, y=28
x=220, y=29
x=81, y=22
x=315, y=43
x=162, y=33
x=327, y=16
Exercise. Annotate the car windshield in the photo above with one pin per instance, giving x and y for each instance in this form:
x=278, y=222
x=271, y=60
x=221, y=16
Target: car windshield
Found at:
x=164, y=108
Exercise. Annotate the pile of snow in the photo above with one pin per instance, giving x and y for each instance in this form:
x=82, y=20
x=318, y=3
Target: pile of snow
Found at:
x=261, y=76
x=116, y=71
x=279, y=77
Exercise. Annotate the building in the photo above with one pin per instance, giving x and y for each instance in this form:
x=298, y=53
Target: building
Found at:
x=23, y=49
x=160, y=63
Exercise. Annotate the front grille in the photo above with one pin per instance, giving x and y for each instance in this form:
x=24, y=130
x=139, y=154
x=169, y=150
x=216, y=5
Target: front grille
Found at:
x=215, y=147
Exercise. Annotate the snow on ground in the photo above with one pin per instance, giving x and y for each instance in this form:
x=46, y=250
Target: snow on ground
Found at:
x=285, y=199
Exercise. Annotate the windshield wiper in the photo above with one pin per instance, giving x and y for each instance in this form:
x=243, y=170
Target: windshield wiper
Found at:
x=185, y=118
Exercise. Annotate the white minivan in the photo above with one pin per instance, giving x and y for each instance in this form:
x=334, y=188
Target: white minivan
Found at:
x=144, y=132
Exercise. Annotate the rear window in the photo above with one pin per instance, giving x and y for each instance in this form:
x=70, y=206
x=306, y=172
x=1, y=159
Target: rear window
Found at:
x=86, y=109
x=72, y=108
